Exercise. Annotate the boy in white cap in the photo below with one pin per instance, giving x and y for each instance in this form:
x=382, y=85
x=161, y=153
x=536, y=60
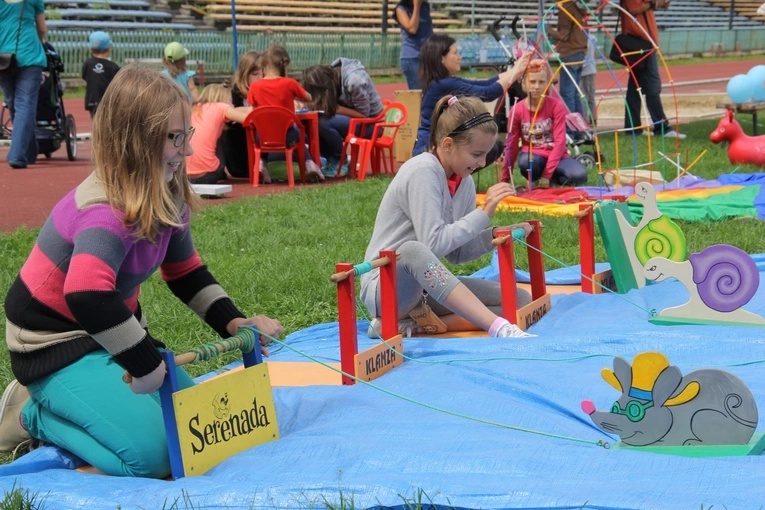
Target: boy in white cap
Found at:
x=175, y=67
x=98, y=71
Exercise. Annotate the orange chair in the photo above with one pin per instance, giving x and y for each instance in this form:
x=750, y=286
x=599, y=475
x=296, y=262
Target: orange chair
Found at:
x=383, y=137
x=266, y=128
x=355, y=139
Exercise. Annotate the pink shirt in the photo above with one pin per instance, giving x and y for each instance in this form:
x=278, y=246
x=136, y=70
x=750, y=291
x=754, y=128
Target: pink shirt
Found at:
x=542, y=133
x=208, y=120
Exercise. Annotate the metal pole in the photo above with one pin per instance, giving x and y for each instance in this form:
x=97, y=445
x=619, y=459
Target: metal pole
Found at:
x=730, y=16
x=472, y=18
x=235, y=42
x=385, y=17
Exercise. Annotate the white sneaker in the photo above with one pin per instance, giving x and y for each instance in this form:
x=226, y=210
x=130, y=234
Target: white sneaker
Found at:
x=406, y=327
x=313, y=170
x=674, y=134
x=265, y=177
x=512, y=331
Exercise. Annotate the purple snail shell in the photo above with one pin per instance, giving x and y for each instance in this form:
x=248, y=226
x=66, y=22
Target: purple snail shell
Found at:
x=726, y=277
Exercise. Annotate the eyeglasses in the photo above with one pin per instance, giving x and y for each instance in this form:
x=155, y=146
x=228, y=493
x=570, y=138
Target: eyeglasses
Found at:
x=634, y=410
x=181, y=137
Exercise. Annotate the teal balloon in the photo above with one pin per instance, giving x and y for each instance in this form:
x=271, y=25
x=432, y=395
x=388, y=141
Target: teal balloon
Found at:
x=757, y=76
x=740, y=88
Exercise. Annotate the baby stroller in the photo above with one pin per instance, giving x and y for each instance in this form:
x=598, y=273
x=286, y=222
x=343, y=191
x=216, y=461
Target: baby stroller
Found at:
x=53, y=124
x=578, y=132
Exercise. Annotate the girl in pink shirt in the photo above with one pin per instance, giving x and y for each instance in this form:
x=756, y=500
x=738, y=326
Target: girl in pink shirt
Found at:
x=208, y=118
x=539, y=122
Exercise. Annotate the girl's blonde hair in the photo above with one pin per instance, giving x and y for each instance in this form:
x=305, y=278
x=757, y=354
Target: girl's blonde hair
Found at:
x=214, y=93
x=460, y=118
x=175, y=67
x=130, y=132
x=248, y=63
x=277, y=57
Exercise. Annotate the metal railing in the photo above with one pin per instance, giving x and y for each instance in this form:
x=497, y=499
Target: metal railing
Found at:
x=375, y=51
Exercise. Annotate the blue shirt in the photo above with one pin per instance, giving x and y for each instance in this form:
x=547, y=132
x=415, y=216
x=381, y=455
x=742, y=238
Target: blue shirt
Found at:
x=486, y=90
x=30, y=50
x=182, y=79
x=411, y=43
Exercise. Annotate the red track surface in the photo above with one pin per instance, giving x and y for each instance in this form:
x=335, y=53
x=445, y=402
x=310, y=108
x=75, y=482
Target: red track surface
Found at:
x=27, y=196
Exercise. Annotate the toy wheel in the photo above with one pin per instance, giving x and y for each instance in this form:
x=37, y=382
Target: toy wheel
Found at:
x=71, y=138
x=587, y=159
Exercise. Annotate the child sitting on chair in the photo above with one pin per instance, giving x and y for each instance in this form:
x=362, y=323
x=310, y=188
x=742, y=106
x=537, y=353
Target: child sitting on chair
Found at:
x=74, y=322
x=539, y=122
x=428, y=213
x=276, y=89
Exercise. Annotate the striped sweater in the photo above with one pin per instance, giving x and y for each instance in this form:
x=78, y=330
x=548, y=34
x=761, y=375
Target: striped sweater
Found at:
x=78, y=290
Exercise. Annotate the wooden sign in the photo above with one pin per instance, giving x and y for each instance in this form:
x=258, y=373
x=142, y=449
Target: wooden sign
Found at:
x=380, y=359
x=603, y=282
x=532, y=313
x=224, y=416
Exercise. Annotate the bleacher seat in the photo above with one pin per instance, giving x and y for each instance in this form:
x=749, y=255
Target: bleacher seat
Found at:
x=308, y=15
x=117, y=25
x=113, y=4
x=114, y=15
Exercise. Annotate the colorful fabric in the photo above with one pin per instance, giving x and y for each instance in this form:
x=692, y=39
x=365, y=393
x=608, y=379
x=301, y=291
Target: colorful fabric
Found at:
x=689, y=198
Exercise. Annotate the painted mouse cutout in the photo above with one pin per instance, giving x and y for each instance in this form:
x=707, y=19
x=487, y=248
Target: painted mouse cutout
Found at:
x=659, y=406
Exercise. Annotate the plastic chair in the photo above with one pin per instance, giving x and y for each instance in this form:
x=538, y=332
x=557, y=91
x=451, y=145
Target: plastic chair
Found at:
x=266, y=128
x=357, y=129
x=384, y=136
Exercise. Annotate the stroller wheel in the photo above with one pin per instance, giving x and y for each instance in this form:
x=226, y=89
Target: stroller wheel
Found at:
x=587, y=159
x=71, y=138
x=47, y=155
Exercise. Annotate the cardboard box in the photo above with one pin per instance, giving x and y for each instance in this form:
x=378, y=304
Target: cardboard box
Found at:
x=408, y=132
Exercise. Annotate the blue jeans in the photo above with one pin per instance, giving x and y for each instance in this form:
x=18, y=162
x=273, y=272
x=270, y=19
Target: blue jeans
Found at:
x=88, y=410
x=332, y=133
x=568, y=84
x=411, y=70
x=20, y=94
x=649, y=80
x=569, y=172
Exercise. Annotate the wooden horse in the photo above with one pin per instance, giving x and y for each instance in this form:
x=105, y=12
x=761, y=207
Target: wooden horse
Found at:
x=742, y=148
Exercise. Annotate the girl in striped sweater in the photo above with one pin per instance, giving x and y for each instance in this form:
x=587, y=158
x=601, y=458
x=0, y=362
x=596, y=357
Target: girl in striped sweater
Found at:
x=73, y=320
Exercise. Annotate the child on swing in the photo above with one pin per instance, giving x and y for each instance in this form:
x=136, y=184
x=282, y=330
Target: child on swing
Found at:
x=539, y=123
x=73, y=320
x=428, y=213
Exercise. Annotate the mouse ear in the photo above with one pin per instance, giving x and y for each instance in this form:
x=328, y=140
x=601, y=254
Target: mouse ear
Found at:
x=689, y=393
x=609, y=376
x=666, y=384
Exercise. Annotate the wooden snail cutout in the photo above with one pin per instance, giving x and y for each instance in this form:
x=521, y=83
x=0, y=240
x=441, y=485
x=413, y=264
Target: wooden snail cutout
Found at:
x=742, y=148
x=659, y=406
x=654, y=236
x=720, y=279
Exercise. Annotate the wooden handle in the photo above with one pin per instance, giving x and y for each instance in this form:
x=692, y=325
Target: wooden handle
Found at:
x=379, y=262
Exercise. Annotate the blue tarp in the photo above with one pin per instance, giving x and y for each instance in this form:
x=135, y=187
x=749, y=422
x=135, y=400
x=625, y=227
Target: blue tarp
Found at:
x=463, y=423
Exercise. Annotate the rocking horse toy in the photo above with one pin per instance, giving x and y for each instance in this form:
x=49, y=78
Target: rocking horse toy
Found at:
x=742, y=148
